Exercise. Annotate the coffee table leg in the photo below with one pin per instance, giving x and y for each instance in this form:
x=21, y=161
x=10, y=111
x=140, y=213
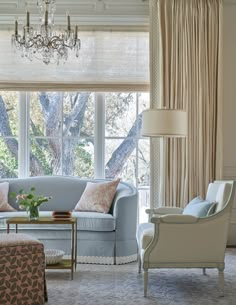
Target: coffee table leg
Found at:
x=72, y=250
x=16, y=228
x=8, y=228
x=75, y=244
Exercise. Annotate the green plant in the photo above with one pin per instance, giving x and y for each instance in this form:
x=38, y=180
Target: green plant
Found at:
x=29, y=200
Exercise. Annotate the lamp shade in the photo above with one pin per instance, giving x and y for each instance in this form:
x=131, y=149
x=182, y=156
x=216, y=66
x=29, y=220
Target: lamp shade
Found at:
x=164, y=123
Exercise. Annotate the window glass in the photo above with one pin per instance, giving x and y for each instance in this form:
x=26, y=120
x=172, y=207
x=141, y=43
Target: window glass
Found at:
x=78, y=114
x=78, y=157
x=8, y=134
x=120, y=160
x=45, y=114
x=62, y=133
x=120, y=113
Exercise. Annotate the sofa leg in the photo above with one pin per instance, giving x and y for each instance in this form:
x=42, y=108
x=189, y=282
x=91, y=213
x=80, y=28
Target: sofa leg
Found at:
x=204, y=271
x=145, y=277
x=221, y=281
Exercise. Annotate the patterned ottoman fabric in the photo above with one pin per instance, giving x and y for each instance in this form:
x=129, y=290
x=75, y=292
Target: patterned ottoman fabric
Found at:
x=22, y=270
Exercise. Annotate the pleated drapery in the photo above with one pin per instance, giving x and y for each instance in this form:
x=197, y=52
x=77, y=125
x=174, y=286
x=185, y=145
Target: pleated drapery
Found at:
x=190, y=34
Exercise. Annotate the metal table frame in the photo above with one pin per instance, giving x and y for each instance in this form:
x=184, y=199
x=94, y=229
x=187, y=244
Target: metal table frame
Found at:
x=65, y=263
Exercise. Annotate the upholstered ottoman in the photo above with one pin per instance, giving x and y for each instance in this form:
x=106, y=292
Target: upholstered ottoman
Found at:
x=22, y=270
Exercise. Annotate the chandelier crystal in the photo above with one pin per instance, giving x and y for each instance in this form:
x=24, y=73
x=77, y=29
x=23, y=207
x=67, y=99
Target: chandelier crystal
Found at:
x=45, y=43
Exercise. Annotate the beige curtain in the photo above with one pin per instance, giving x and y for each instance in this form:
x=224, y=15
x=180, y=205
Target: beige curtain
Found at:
x=190, y=68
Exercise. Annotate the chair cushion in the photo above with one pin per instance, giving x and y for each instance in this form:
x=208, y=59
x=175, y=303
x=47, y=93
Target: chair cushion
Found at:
x=145, y=234
x=222, y=196
x=197, y=207
x=219, y=193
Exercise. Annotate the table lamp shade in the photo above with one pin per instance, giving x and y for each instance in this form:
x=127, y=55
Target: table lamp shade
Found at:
x=164, y=123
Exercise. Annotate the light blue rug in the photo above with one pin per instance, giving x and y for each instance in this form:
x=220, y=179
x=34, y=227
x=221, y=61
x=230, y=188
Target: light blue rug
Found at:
x=120, y=285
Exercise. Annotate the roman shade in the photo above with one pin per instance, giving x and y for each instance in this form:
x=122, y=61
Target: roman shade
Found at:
x=108, y=61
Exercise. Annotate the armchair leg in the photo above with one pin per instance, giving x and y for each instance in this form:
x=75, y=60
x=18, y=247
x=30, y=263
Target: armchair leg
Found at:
x=221, y=281
x=139, y=263
x=145, y=277
x=204, y=271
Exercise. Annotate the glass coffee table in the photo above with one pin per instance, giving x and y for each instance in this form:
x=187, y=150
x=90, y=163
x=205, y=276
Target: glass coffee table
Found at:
x=65, y=263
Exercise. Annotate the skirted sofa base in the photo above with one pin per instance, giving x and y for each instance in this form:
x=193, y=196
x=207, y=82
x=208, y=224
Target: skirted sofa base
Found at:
x=102, y=238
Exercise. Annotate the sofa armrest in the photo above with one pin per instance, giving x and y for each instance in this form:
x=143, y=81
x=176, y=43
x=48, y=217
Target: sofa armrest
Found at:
x=125, y=208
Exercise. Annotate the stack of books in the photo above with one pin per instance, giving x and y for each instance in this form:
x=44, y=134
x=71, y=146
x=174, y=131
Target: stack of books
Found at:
x=61, y=215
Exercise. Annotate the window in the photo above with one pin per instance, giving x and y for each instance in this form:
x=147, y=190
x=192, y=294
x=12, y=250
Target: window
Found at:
x=83, y=134
x=9, y=134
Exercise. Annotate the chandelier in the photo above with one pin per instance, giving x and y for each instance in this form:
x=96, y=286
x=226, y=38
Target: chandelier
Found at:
x=45, y=43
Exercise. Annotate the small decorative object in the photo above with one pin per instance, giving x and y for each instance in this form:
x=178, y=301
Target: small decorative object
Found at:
x=61, y=215
x=30, y=202
x=53, y=256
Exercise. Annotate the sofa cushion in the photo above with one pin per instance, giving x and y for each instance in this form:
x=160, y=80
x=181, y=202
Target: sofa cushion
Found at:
x=97, y=197
x=92, y=221
x=4, y=206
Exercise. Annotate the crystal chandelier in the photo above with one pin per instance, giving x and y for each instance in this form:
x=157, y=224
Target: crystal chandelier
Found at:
x=44, y=43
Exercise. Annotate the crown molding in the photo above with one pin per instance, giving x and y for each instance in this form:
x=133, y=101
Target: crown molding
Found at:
x=89, y=12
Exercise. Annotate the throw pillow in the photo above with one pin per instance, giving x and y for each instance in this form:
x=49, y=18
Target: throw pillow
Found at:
x=4, y=206
x=97, y=197
x=197, y=207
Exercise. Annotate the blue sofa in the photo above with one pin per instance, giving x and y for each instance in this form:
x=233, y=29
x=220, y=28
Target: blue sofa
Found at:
x=102, y=238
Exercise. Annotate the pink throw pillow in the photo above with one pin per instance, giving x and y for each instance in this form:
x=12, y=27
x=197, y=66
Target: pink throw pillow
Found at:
x=97, y=197
x=4, y=205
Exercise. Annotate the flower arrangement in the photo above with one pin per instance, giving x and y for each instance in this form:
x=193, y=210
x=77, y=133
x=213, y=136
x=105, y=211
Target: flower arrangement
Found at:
x=30, y=202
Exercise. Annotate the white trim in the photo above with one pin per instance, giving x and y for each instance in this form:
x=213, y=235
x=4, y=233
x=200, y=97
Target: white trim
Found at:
x=105, y=260
x=23, y=138
x=20, y=85
x=120, y=260
x=99, y=136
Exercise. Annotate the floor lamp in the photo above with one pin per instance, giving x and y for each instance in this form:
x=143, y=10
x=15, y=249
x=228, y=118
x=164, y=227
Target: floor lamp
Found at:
x=163, y=123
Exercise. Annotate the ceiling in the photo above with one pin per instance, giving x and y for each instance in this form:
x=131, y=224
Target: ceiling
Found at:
x=83, y=12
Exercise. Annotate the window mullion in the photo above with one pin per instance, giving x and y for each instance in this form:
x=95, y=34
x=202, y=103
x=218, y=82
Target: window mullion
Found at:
x=23, y=140
x=99, y=136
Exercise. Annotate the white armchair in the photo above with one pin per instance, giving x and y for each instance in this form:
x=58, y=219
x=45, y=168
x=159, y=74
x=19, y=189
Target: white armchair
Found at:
x=173, y=240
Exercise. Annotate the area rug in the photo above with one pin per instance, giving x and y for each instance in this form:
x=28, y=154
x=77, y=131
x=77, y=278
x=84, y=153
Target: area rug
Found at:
x=121, y=285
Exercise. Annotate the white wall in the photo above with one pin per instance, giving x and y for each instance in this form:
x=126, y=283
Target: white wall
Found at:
x=229, y=102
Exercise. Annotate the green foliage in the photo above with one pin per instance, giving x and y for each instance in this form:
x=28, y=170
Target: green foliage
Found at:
x=8, y=160
x=41, y=151
x=29, y=200
x=83, y=162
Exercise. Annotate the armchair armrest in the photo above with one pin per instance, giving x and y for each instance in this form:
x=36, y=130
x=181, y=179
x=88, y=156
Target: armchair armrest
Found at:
x=176, y=218
x=164, y=210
